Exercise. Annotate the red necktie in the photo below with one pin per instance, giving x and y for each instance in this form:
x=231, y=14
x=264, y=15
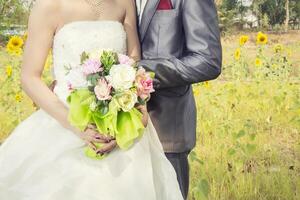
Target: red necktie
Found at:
x=165, y=5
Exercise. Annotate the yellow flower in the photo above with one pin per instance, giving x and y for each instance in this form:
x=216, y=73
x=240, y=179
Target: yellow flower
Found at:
x=14, y=51
x=278, y=48
x=8, y=70
x=16, y=42
x=258, y=62
x=196, y=91
x=25, y=36
x=10, y=49
x=261, y=38
x=18, y=97
x=206, y=84
x=18, y=52
x=14, y=45
x=237, y=54
x=48, y=62
x=243, y=39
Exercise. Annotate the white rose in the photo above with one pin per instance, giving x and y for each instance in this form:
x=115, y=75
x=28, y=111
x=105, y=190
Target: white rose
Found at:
x=126, y=100
x=122, y=77
x=96, y=54
x=76, y=78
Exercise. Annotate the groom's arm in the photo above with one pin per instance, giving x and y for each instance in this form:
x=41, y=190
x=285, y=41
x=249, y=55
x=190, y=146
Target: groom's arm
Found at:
x=203, y=55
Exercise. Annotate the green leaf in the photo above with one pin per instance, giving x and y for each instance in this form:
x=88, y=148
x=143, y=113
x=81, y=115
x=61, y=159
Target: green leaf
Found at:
x=231, y=151
x=252, y=137
x=93, y=78
x=240, y=134
x=84, y=56
x=104, y=109
x=108, y=59
x=152, y=74
x=250, y=148
x=194, y=158
x=203, y=188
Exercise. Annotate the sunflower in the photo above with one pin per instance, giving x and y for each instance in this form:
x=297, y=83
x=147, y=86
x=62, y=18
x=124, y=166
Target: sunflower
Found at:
x=261, y=38
x=258, y=62
x=14, y=45
x=10, y=49
x=237, y=54
x=16, y=42
x=8, y=70
x=278, y=48
x=243, y=39
x=18, y=97
x=14, y=51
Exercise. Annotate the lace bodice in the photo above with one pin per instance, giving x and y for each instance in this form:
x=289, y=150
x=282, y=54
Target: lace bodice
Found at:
x=79, y=36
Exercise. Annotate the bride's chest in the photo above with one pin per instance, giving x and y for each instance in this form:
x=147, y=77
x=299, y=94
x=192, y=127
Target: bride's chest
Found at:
x=75, y=37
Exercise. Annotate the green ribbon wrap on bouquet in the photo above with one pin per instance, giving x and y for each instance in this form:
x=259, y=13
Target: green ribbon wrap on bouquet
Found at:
x=126, y=127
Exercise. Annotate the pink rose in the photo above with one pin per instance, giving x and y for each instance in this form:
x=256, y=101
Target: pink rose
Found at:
x=102, y=90
x=125, y=60
x=92, y=66
x=144, y=84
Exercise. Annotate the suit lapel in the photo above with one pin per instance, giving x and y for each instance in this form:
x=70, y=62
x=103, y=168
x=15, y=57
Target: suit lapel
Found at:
x=148, y=13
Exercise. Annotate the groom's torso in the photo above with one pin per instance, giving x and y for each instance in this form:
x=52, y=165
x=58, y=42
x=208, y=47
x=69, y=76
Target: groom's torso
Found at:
x=172, y=110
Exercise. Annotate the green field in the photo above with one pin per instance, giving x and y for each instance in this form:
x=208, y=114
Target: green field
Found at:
x=248, y=134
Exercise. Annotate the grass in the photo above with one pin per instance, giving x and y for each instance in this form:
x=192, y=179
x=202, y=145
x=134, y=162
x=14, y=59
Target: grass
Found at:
x=248, y=140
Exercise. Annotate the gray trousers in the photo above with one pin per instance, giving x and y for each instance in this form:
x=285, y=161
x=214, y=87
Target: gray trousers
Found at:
x=181, y=165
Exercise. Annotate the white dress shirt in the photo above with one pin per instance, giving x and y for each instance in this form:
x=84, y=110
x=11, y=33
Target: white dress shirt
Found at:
x=140, y=8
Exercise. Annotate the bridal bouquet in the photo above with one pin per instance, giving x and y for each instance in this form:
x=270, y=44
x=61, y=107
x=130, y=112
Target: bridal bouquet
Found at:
x=105, y=88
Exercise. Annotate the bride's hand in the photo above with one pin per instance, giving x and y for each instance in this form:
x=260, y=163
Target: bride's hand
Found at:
x=90, y=136
x=144, y=111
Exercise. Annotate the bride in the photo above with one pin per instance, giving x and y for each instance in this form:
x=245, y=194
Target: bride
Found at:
x=43, y=158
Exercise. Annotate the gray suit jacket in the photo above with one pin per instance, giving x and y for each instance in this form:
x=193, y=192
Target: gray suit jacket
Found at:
x=182, y=46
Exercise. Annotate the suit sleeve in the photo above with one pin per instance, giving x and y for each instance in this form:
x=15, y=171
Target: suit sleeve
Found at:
x=202, y=59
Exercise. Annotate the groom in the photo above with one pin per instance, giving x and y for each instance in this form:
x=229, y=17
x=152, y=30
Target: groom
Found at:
x=180, y=42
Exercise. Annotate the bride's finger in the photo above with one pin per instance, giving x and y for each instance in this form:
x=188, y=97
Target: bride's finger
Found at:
x=91, y=126
x=98, y=140
x=107, y=147
x=91, y=145
x=100, y=136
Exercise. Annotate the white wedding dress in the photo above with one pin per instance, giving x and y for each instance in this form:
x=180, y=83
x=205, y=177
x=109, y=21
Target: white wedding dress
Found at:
x=41, y=160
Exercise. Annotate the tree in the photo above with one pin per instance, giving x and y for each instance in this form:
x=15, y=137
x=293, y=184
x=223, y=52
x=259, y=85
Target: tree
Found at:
x=275, y=9
x=13, y=12
x=294, y=13
x=256, y=8
x=287, y=15
x=229, y=5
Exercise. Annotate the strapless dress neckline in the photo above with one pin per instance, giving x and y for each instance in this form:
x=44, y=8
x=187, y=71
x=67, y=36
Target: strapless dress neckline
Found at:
x=80, y=22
